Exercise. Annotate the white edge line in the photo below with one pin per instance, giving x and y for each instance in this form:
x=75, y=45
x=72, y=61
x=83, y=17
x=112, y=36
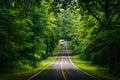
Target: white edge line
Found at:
x=79, y=68
x=54, y=61
x=41, y=70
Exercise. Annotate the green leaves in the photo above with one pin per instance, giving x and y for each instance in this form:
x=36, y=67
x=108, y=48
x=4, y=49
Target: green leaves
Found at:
x=26, y=32
x=95, y=34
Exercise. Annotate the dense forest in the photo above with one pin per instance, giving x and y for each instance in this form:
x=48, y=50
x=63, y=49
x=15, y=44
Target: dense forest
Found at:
x=92, y=27
x=31, y=29
x=27, y=33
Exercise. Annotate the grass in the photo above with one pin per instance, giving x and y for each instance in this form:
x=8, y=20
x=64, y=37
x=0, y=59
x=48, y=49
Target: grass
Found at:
x=98, y=71
x=25, y=75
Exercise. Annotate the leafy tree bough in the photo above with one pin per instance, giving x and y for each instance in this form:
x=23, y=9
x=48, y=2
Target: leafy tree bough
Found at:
x=96, y=34
x=29, y=31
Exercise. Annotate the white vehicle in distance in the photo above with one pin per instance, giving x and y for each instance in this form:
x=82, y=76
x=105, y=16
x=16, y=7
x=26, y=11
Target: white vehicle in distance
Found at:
x=62, y=42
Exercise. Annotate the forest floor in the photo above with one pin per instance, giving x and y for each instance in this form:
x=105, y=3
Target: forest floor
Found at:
x=99, y=71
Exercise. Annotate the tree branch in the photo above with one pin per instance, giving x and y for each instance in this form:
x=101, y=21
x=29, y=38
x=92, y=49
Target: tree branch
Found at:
x=93, y=14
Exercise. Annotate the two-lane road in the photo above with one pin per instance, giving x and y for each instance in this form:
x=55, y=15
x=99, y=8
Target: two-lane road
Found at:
x=62, y=69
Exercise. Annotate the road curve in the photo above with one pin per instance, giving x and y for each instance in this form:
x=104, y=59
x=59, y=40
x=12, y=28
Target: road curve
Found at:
x=62, y=69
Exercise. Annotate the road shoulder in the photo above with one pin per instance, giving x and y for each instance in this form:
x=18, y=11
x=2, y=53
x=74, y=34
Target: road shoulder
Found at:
x=95, y=70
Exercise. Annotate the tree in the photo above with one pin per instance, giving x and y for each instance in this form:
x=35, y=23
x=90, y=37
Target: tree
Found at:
x=98, y=37
x=26, y=33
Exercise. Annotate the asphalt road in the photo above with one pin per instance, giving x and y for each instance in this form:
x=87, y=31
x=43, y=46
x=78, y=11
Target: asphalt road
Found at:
x=62, y=69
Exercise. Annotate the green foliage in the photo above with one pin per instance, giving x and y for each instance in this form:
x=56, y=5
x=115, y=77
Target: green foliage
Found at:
x=98, y=71
x=25, y=71
x=97, y=37
x=27, y=33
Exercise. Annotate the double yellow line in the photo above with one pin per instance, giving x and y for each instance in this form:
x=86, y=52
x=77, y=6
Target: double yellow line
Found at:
x=63, y=74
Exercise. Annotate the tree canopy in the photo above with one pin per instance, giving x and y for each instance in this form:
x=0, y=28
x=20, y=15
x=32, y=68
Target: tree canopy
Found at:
x=30, y=30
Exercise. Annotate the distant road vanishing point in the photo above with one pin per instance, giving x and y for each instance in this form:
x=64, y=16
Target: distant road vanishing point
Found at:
x=62, y=69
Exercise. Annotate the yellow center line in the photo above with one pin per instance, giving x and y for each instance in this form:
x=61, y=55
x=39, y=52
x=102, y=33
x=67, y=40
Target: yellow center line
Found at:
x=63, y=74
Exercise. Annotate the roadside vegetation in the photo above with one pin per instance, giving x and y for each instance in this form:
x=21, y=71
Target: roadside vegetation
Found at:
x=30, y=30
x=101, y=72
x=27, y=36
x=24, y=75
x=92, y=29
x=56, y=49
